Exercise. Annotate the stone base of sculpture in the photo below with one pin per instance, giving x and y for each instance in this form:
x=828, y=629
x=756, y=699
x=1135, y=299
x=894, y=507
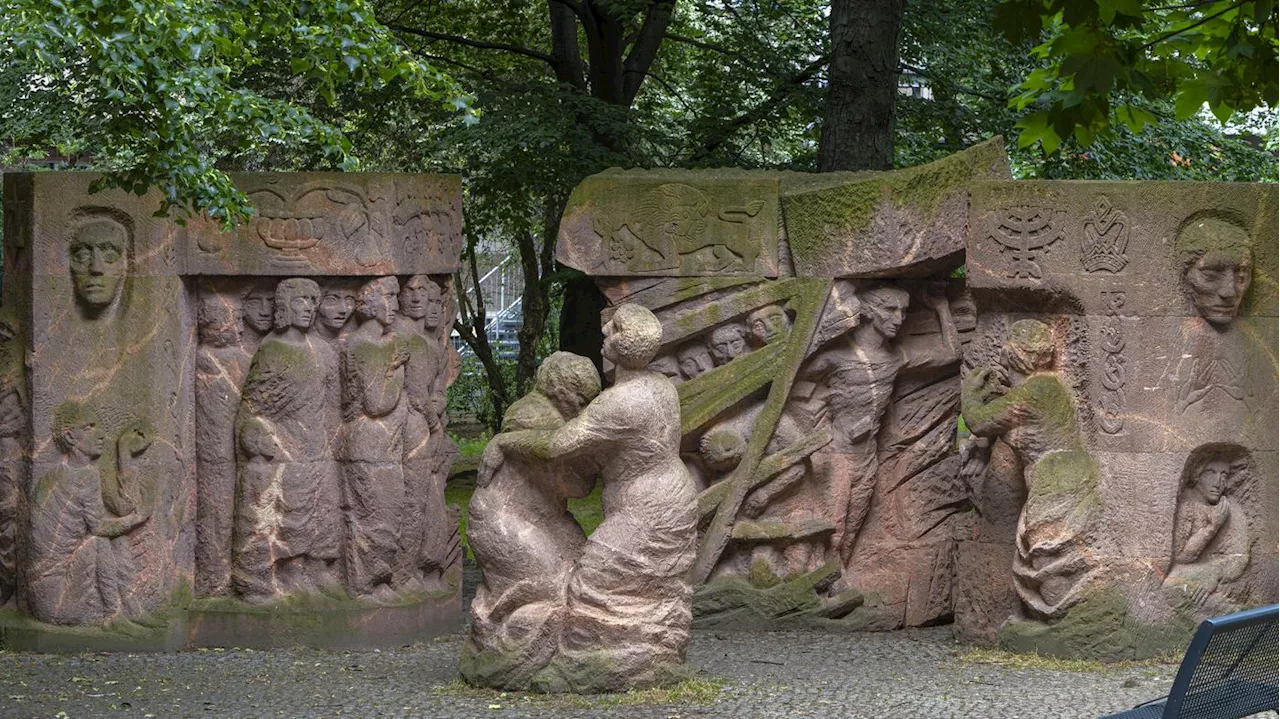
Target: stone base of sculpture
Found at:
x=160, y=633
x=322, y=622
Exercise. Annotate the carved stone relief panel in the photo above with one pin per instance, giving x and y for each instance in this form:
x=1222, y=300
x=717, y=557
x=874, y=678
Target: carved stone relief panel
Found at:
x=186, y=409
x=1164, y=346
x=818, y=420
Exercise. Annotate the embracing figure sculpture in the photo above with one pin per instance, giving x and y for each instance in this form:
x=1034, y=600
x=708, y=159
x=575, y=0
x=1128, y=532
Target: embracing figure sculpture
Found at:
x=619, y=616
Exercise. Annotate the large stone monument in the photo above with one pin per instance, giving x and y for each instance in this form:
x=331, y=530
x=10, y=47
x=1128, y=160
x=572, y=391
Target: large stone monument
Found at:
x=557, y=611
x=227, y=438
x=1121, y=391
x=815, y=340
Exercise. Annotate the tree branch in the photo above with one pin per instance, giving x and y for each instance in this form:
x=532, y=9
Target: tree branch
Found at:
x=645, y=49
x=775, y=98
x=706, y=45
x=476, y=43
x=1193, y=25
x=962, y=88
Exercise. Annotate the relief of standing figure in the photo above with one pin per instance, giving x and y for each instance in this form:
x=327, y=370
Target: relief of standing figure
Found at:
x=371, y=447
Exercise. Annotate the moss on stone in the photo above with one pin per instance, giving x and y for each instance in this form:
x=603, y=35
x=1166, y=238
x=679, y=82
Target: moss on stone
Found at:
x=823, y=214
x=1099, y=627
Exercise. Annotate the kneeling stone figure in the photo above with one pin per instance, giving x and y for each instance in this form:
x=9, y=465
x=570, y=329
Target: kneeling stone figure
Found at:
x=558, y=612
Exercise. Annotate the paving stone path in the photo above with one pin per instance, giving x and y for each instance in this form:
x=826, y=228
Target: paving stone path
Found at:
x=913, y=673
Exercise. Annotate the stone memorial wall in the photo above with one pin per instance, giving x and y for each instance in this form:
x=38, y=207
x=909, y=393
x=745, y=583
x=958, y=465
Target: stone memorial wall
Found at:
x=228, y=438
x=1121, y=388
x=815, y=340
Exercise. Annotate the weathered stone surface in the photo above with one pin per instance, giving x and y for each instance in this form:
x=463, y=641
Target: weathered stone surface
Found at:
x=557, y=611
x=664, y=222
x=326, y=223
x=1153, y=436
x=903, y=223
x=726, y=223
x=818, y=415
x=174, y=412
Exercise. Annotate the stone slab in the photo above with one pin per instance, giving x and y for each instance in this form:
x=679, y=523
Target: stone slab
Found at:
x=1090, y=239
x=22, y=634
x=227, y=623
x=902, y=223
x=668, y=223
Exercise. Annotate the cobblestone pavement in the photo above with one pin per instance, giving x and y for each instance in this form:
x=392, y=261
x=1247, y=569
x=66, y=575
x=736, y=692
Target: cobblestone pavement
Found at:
x=913, y=673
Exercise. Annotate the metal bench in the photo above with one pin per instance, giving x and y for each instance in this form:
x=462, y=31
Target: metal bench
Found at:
x=1229, y=671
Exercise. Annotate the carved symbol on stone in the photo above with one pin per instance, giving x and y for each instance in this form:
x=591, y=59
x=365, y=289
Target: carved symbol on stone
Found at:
x=1106, y=235
x=1026, y=232
x=1111, y=419
x=675, y=225
x=331, y=215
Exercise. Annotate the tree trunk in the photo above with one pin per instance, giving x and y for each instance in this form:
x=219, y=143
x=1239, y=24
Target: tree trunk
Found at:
x=862, y=85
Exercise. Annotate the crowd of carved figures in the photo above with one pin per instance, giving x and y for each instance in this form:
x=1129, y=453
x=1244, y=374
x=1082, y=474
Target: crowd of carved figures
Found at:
x=320, y=423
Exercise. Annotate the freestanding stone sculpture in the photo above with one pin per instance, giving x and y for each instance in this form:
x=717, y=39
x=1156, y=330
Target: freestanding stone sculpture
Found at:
x=1135, y=408
x=621, y=617
x=172, y=415
x=808, y=323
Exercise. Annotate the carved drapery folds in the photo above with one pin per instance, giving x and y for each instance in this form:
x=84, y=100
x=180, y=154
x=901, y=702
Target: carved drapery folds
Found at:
x=817, y=372
x=184, y=408
x=1124, y=395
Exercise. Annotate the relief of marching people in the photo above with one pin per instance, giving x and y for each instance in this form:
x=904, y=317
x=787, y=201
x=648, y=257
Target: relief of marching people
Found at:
x=321, y=445
x=875, y=346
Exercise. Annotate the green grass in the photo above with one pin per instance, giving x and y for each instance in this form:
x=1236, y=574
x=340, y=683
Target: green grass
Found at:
x=1036, y=661
x=689, y=691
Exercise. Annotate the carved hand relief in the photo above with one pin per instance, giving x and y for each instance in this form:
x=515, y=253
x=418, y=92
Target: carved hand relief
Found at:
x=98, y=255
x=1106, y=237
x=1026, y=233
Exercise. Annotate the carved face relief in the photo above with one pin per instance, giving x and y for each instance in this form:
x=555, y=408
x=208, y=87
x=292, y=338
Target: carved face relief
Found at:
x=296, y=302
x=98, y=262
x=336, y=306
x=259, y=309
x=1218, y=281
x=886, y=308
x=694, y=360
x=86, y=437
x=1212, y=477
x=668, y=366
x=769, y=324
x=379, y=300
x=421, y=299
x=727, y=342
x=219, y=322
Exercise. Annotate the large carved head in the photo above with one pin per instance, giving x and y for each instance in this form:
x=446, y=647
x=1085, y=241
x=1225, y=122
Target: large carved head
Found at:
x=1030, y=347
x=769, y=324
x=422, y=299
x=78, y=431
x=1217, y=264
x=632, y=337
x=337, y=302
x=378, y=301
x=1216, y=470
x=693, y=360
x=219, y=320
x=668, y=366
x=98, y=255
x=885, y=308
x=258, y=307
x=570, y=381
x=727, y=341
x=296, y=301
x=722, y=449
